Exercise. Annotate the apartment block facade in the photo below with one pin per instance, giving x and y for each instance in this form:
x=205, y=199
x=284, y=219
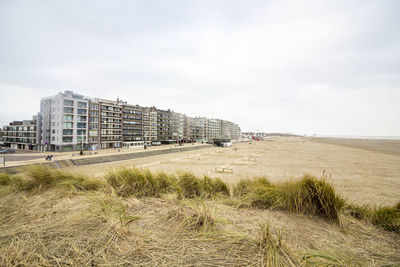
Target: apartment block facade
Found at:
x=149, y=125
x=94, y=125
x=133, y=126
x=110, y=123
x=70, y=121
x=62, y=122
x=21, y=134
x=166, y=131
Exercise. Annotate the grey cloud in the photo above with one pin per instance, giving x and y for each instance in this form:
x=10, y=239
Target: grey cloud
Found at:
x=330, y=67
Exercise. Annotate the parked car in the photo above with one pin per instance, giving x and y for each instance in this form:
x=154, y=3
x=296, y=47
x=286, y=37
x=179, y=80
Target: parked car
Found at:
x=7, y=151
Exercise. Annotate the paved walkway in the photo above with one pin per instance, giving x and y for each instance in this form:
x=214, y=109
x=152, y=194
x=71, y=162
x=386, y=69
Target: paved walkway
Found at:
x=24, y=157
x=97, y=159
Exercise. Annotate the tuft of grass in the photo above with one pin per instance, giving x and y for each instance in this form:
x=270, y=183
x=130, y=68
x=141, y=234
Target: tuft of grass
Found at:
x=167, y=182
x=40, y=178
x=194, y=216
x=309, y=195
x=138, y=182
x=247, y=186
x=317, y=197
x=114, y=212
x=358, y=212
x=190, y=185
x=271, y=247
x=5, y=179
x=332, y=258
x=216, y=186
x=387, y=218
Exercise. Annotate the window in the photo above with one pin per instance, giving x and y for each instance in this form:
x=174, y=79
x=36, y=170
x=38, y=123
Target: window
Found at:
x=81, y=139
x=81, y=111
x=67, y=139
x=68, y=110
x=81, y=132
x=68, y=117
x=93, y=139
x=81, y=104
x=69, y=103
x=82, y=118
x=94, y=113
x=94, y=119
x=93, y=133
x=95, y=107
x=67, y=125
x=81, y=125
x=67, y=131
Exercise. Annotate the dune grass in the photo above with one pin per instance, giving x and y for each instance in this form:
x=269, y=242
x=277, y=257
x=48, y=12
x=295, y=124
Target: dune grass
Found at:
x=272, y=249
x=191, y=186
x=385, y=217
x=194, y=216
x=110, y=225
x=39, y=178
x=308, y=195
x=5, y=179
x=335, y=258
x=141, y=183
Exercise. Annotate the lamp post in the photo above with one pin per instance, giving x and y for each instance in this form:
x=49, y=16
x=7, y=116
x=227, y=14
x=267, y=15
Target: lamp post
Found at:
x=81, y=153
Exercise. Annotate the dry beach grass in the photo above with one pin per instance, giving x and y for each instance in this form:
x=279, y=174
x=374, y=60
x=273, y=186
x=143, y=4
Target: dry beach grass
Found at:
x=137, y=217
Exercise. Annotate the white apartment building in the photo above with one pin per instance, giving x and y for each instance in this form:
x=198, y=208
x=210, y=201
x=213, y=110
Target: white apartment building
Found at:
x=229, y=130
x=179, y=125
x=63, y=122
x=214, y=129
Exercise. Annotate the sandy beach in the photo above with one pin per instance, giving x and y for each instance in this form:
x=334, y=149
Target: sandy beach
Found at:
x=363, y=171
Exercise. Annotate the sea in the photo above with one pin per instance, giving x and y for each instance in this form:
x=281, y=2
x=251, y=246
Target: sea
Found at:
x=357, y=136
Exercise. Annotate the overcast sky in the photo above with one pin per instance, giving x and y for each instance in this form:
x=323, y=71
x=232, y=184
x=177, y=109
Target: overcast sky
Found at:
x=324, y=67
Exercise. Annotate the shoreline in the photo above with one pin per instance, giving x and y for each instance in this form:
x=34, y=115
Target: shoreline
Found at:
x=363, y=137
x=386, y=146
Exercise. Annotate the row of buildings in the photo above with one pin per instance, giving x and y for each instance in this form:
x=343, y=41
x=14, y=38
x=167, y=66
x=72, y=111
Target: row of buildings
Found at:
x=69, y=121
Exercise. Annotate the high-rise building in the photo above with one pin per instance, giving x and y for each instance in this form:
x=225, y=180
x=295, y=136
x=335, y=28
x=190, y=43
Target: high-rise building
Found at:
x=134, y=125
x=199, y=129
x=110, y=123
x=94, y=125
x=149, y=125
x=178, y=126
x=229, y=130
x=165, y=126
x=214, y=129
x=62, y=122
